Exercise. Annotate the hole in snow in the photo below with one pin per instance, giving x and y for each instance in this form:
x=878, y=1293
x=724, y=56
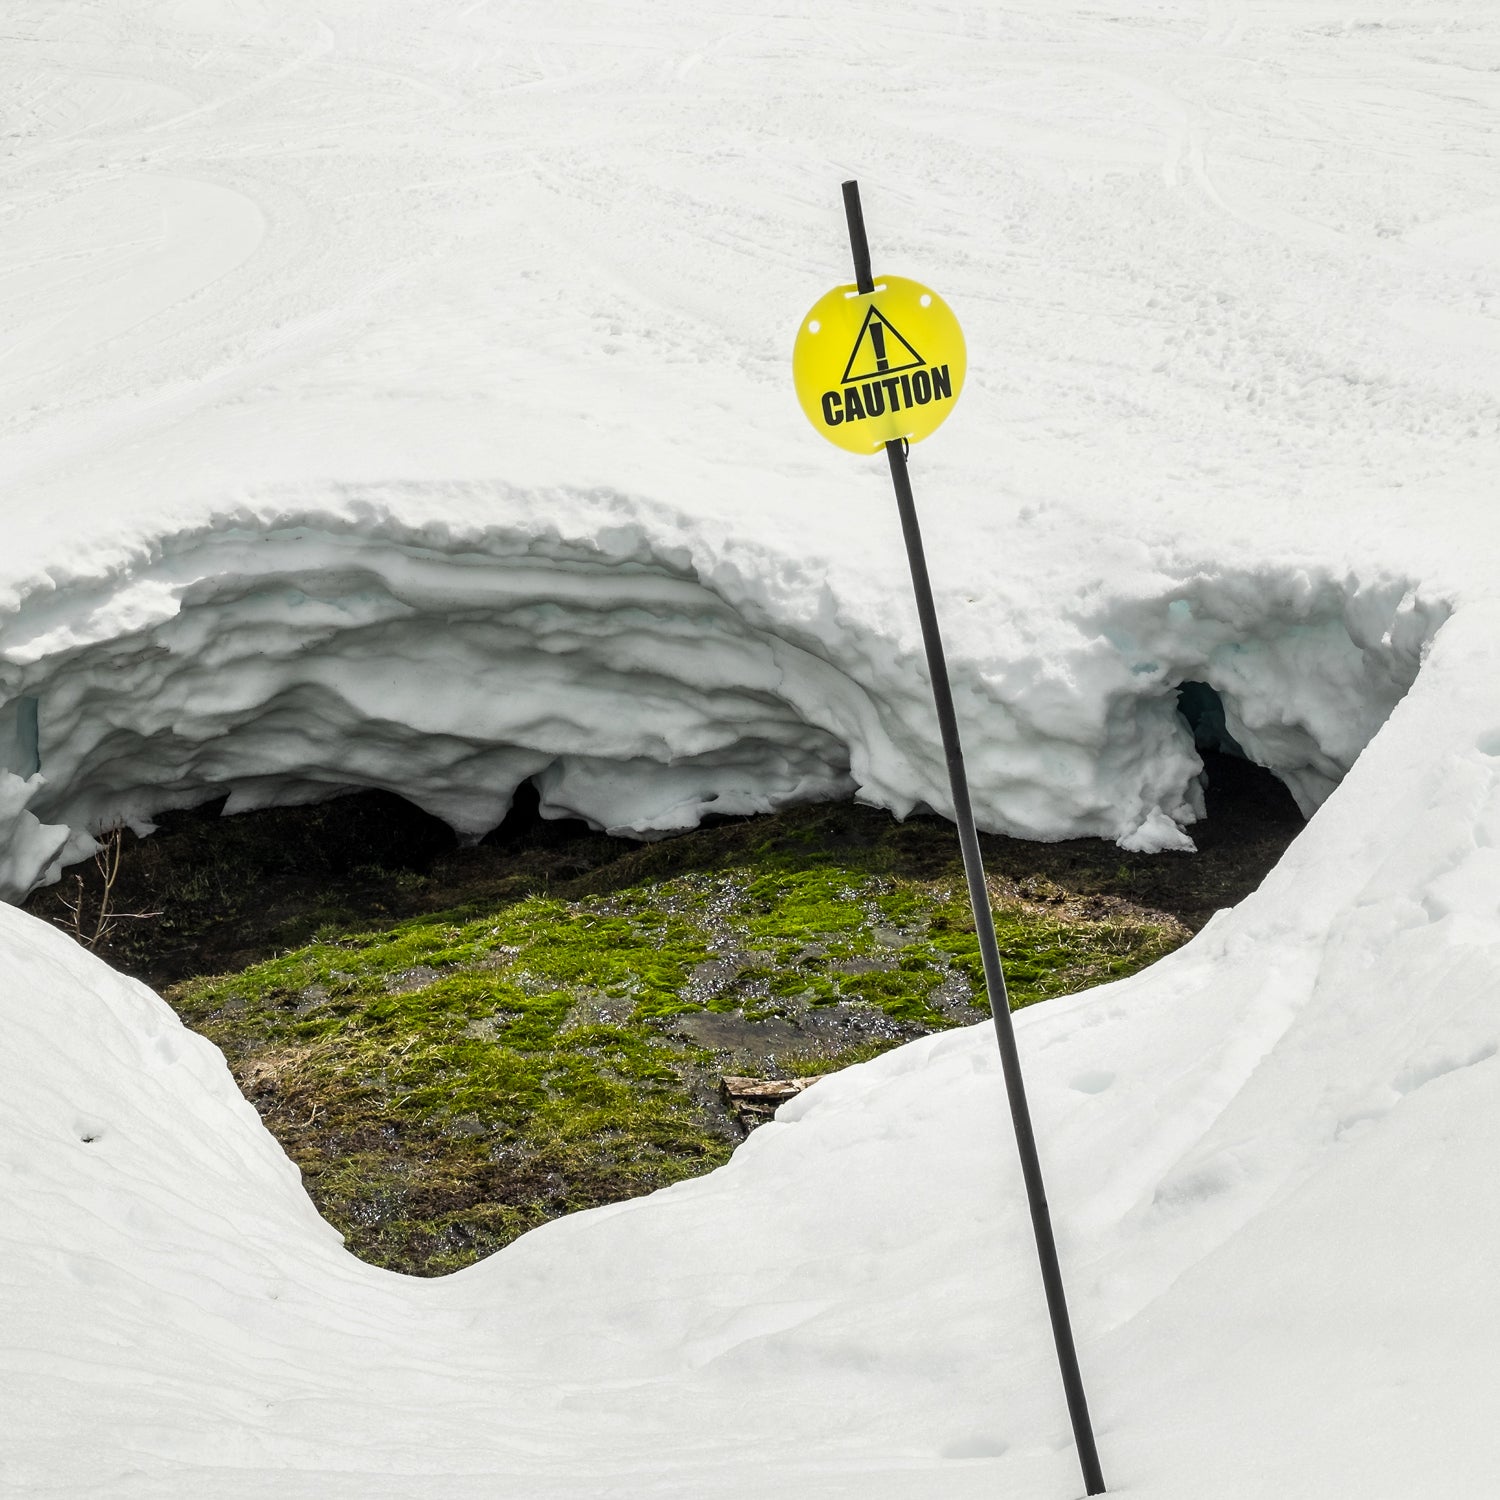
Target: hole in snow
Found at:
x=1244, y=803
x=1294, y=673
x=1203, y=710
x=525, y=825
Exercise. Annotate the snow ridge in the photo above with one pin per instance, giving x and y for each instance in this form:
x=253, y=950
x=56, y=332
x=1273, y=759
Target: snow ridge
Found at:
x=644, y=680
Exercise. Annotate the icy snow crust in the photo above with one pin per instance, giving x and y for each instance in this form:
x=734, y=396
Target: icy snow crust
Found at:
x=400, y=397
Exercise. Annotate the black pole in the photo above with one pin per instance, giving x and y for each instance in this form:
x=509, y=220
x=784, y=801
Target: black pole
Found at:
x=984, y=920
x=855, y=214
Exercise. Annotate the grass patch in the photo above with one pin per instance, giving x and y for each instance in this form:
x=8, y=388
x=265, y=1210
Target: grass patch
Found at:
x=449, y=1081
x=456, y=1045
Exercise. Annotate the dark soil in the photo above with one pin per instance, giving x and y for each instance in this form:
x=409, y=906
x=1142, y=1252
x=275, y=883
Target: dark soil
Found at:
x=234, y=891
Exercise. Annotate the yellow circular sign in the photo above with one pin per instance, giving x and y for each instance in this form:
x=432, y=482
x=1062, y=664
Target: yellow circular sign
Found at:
x=872, y=366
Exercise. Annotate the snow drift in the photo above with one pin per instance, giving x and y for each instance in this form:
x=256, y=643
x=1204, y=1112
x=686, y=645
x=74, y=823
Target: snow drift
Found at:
x=399, y=396
x=642, y=683
x=1269, y=1159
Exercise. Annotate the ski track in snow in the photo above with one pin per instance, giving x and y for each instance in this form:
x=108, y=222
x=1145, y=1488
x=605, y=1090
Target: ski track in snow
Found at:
x=401, y=396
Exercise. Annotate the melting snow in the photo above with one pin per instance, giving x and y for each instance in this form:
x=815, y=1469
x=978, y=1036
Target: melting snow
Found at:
x=400, y=397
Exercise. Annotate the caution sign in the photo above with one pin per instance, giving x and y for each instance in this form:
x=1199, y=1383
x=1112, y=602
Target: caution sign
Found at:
x=878, y=365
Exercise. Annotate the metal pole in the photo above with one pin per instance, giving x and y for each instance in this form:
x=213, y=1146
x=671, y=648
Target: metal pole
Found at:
x=855, y=214
x=984, y=921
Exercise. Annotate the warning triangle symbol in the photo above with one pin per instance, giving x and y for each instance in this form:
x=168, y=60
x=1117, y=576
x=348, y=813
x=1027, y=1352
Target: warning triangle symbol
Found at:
x=879, y=350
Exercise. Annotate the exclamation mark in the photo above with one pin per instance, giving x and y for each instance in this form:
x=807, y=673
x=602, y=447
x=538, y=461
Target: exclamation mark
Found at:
x=877, y=338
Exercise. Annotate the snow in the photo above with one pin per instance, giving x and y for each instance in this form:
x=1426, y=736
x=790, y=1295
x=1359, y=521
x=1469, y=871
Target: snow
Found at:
x=304, y=303
x=402, y=398
x=645, y=677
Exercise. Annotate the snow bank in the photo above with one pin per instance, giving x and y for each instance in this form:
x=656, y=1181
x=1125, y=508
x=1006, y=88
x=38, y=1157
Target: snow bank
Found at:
x=450, y=429
x=398, y=399
x=1269, y=1158
x=644, y=680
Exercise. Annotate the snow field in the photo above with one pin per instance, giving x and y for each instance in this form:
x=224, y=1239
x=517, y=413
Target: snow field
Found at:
x=402, y=399
x=1249, y=1150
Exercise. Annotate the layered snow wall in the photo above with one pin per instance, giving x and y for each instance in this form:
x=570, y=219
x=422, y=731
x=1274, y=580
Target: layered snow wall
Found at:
x=644, y=682
x=1270, y=1158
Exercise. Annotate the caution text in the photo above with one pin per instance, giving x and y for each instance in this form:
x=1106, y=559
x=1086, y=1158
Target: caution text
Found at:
x=873, y=398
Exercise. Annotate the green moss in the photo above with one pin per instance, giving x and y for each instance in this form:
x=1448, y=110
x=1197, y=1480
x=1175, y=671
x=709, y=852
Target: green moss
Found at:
x=449, y=1081
x=459, y=1044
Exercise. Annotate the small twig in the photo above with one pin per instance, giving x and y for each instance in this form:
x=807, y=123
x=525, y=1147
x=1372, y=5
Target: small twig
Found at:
x=75, y=908
x=107, y=862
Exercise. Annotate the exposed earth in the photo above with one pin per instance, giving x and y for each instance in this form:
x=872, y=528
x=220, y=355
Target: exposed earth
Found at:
x=457, y=1044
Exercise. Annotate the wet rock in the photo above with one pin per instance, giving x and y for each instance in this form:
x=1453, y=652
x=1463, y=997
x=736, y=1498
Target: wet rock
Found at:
x=865, y=966
x=955, y=997
x=713, y=976
x=733, y=1031
x=595, y=1008
x=408, y=981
